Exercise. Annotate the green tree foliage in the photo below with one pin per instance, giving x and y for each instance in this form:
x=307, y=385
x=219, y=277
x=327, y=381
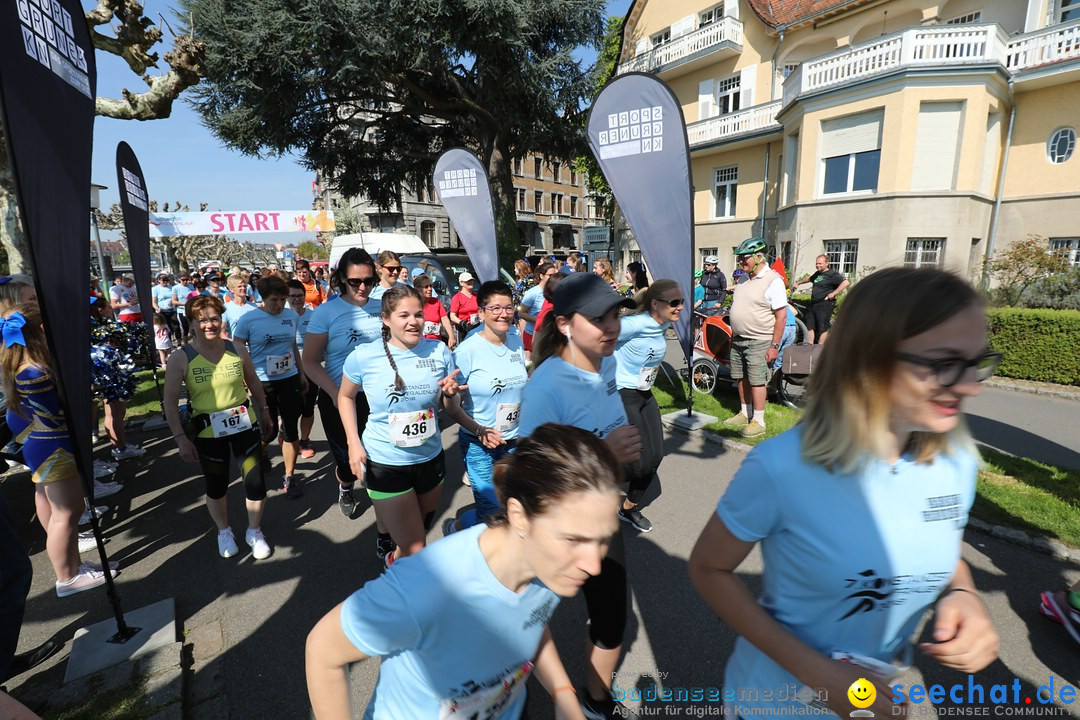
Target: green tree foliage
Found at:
x=1021, y=264
x=606, y=62
x=370, y=92
x=312, y=251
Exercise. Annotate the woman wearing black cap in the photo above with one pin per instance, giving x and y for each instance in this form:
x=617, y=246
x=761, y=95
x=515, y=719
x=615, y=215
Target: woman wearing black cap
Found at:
x=574, y=384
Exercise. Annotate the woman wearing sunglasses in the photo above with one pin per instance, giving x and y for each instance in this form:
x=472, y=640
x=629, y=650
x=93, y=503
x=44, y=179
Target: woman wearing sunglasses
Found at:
x=639, y=352
x=336, y=328
x=389, y=272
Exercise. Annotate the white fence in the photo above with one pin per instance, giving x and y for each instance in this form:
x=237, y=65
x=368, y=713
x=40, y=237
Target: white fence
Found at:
x=727, y=29
x=759, y=117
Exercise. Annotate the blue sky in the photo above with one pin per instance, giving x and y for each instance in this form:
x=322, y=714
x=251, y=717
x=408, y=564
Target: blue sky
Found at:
x=183, y=161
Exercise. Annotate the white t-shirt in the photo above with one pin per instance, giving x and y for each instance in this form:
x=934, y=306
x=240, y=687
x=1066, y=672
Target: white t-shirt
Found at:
x=851, y=561
x=123, y=293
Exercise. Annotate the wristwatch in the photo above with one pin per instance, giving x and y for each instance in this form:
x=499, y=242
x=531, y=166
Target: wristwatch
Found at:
x=776, y=346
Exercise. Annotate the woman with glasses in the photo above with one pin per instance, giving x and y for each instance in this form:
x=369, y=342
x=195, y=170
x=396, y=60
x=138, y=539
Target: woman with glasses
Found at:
x=492, y=364
x=389, y=271
x=336, y=328
x=639, y=352
x=860, y=509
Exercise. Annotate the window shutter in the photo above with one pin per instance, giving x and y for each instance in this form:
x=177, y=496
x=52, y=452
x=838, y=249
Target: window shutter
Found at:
x=731, y=8
x=851, y=134
x=936, y=143
x=706, y=108
x=642, y=46
x=682, y=27
x=747, y=83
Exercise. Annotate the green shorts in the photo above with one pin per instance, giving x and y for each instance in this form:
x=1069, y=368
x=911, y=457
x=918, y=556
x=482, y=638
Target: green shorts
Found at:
x=748, y=360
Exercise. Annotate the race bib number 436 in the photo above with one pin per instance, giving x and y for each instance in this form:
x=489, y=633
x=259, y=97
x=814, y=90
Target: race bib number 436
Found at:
x=412, y=429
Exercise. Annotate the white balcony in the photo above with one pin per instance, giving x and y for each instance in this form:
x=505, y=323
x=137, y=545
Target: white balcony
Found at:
x=732, y=125
x=937, y=46
x=1045, y=47
x=526, y=215
x=702, y=44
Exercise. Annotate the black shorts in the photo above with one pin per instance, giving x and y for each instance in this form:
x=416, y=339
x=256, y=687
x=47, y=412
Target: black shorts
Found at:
x=385, y=481
x=284, y=398
x=819, y=316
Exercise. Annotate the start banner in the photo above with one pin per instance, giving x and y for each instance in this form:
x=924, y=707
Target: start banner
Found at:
x=240, y=222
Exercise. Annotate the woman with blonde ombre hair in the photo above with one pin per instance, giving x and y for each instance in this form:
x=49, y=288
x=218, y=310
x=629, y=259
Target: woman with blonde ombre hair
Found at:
x=860, y=509
x=602, y=267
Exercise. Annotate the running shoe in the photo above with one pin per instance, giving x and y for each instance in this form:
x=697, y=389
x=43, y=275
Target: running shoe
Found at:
x=465, y=479
x=226, y=543
x=257, y=541
x=605, y=709
x=96, y=567
x=1055, y=605
x=305, y=450
x=388, y=561
x=449, y=526
x=346, y=503
x=87, y=543
x=105, y=489
x=103, y=469
x=293, y=488
x=98, y=509
x=94, y=437
x=130, y=451
x=384, y=546
x=636, y=519
x=87, y=579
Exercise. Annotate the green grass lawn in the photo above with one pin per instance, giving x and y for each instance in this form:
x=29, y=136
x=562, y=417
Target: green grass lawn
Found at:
x=145, y=402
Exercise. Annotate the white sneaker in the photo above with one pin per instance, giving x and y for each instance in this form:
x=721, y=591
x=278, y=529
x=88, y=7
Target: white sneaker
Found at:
x=226, y=543
x=99, y=509
x=259, y=547
x=105, y=489
x=96, y=567
x=131, y=451
x=85, y=580
x=87, y=542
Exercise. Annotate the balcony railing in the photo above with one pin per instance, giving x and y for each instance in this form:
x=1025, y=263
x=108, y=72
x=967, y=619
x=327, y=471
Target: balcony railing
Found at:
x=726, y=30
x=1054, y=44
x=943, y=45
x=724, y=127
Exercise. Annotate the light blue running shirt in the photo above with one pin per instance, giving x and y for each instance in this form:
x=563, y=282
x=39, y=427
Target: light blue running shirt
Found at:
x=403, y=427
x=233, y=313
x=455, y=642
x=560, y=393
x=270, y=341
x=163, y=297
x=496, y=377
x=851, y=561
x=181, y=292
x=302, y=323
x=533, y=300
x=345, y=326
x=640, y=351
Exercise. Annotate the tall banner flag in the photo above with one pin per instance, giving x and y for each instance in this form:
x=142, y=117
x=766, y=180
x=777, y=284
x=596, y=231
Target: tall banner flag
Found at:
x=133, y=203
x=638, y=135
x=462, y=184
x=48, y=81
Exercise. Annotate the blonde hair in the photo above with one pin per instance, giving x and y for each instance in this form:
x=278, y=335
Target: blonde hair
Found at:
x=653, y=292
x=14, y=357
x=606, y=270
x=236, y=279
x=849, y=395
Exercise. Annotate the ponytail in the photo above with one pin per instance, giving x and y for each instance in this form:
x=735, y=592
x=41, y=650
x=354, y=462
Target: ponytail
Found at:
x=390, y=300
x=549, y=341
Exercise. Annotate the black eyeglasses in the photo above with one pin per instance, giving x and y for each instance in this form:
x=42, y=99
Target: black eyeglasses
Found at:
x=355, y=283
x=948, y=371
x=677, y=302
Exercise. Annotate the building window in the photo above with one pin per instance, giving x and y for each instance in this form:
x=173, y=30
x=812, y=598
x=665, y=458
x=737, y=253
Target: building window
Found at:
x=924, y=252
x=518, y=169
x=573, y=206
x=573, y=175
x=790, y=68
x=1069, y=247
x=419, y=193
x=705, y=252
x=555, y=168
x=519, y=197
x=538, y=168
x=725, y=188
x=726, y=95
x=635, y=256
x=1070, y=10
x=851, y=153
x=972, y=17
x=661, y=38
x=538, y=201
x=843, y=255
x=556, y=204
x=1061, y=145
x=710, y=16
x=427, y=233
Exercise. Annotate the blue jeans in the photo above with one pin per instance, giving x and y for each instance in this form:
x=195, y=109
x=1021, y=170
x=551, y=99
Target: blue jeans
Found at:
x=480, y=464
x=786, y=339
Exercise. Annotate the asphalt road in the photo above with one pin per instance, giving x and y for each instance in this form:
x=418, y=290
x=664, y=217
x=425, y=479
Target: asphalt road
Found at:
x=246, y=620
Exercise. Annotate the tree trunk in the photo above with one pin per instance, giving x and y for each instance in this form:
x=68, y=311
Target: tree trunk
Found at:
x=12, y=231
x=507, y=234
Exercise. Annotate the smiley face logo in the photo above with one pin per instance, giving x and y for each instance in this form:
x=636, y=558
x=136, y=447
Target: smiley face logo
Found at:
x=862, y=693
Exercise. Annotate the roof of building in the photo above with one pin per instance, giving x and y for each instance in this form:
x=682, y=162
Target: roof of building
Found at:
x=787, y=12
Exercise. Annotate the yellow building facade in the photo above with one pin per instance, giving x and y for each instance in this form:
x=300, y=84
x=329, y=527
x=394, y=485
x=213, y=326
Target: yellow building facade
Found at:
x=877, y=132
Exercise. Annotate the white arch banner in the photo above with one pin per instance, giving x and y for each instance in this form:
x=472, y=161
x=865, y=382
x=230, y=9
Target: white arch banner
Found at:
x=240, y=222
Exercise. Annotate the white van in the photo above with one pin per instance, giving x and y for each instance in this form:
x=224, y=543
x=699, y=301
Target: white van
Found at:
x=375, y=243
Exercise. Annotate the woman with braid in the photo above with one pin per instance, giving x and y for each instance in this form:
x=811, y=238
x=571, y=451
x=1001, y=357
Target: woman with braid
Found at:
x=400, y=455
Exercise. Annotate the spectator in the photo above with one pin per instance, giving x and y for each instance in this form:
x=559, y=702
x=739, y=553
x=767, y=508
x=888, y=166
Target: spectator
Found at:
x=825, y=285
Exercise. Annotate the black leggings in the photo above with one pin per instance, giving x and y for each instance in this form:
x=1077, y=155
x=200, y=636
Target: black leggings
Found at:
x=309, y=399
x=607, y=596
x=643, y=413
x=184, y=327
x=335, y=432
x=214, y=459
x=284, y=398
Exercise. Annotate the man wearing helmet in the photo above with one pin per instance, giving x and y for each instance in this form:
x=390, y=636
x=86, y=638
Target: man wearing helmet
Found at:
x=714, y=283
x=758, y=313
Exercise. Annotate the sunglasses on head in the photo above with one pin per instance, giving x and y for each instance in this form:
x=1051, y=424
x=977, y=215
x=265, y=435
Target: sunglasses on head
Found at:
x=355, y=283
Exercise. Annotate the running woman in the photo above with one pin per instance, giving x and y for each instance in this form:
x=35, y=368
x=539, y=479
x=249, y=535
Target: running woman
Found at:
x=639, y=352
x=337, y=327
x=297, y=297
x=533, y=300
x=860, y=508
x=574, y=384
x=400, y=452
x=236, y=305
x=267, y=337
x=389, y=270
x=506, y=578
x=218, y=381
x=180, y=293
x=492, y=364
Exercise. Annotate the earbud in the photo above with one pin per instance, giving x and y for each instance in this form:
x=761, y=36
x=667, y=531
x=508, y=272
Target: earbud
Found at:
x=567, y=332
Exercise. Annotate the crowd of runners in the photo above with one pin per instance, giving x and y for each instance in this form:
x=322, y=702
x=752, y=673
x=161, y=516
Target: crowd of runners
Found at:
x=550, y=383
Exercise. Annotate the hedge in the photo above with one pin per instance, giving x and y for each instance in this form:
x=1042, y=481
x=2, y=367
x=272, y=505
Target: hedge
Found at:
x=1040, y=345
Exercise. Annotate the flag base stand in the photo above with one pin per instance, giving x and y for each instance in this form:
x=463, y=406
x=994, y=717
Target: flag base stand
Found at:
x=155, y=423
x=694, y=421
x=98, y=646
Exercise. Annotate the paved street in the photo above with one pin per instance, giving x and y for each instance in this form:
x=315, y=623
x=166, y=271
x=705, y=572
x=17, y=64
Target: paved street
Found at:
x=246, y=620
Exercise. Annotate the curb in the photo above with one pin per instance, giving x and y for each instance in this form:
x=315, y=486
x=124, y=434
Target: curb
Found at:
x=1055, y=548
x=1033, y=388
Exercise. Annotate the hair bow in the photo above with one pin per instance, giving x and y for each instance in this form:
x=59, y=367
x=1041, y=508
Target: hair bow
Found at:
x=11, y=327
